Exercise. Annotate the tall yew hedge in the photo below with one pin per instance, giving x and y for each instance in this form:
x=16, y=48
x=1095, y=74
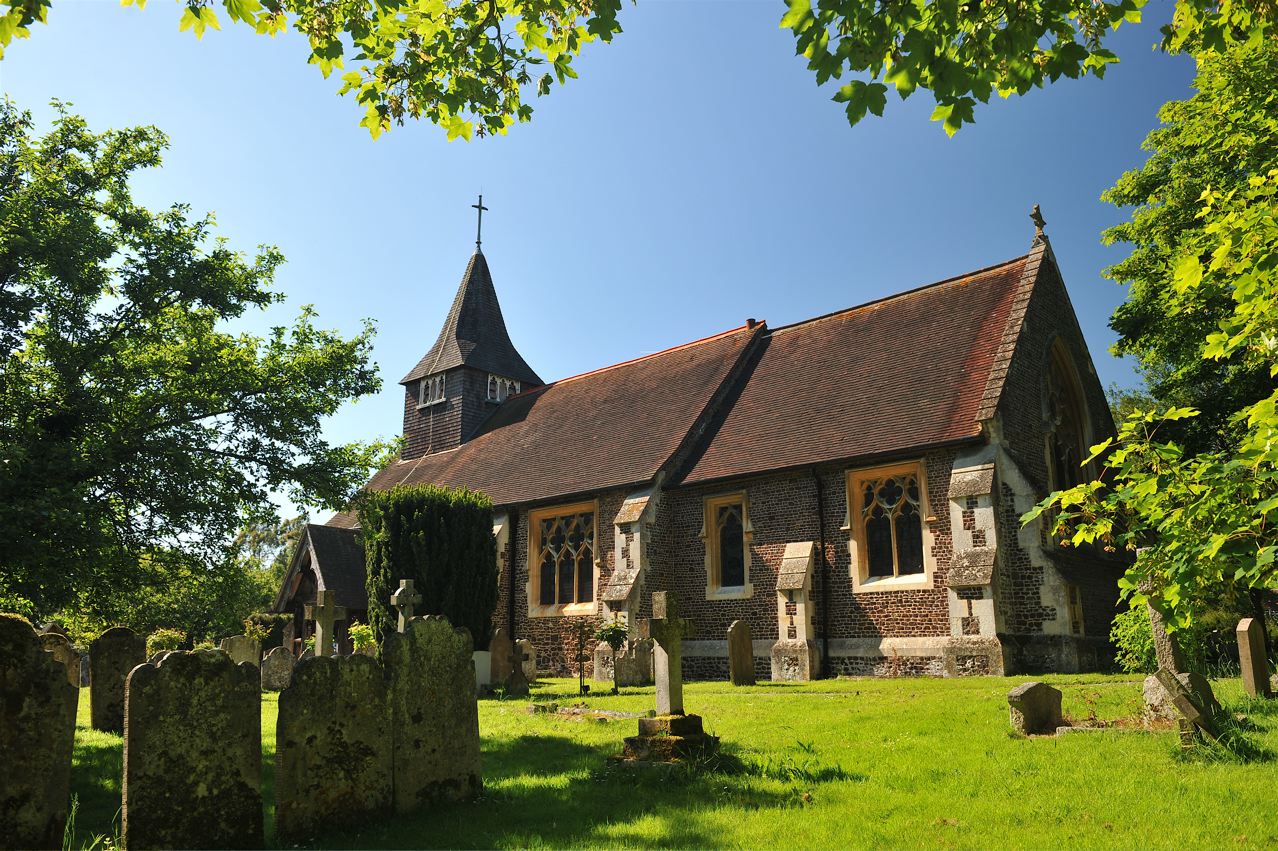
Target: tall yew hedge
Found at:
x=440, y=538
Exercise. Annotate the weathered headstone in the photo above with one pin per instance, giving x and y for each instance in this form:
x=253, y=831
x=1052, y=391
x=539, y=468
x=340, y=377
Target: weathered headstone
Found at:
x=111, y=656
x=530, y=659
x=324, y=612
x=277, y=669
x=241, y=648
x=405, y=599
x=1034, y=708
x=193, y=754
x=85, y=670
x=434, y=714
x=668, y=630
x=516, y=682
x=37, y=731
x=1193, y=709
x=332, y=750
x=56, y=644
x=502, y=655
x=634, y=663
x=1251, y=655
x=740, y=654
x=1158, y=702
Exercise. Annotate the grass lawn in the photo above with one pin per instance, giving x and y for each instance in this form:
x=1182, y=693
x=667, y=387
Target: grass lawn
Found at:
x=913, y=763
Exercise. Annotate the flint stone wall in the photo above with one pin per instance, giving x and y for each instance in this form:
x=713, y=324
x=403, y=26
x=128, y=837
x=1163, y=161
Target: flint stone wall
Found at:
x=112, y=655
x=332, y=753
x=434, y=715
x=37, y=732
x=193, y=754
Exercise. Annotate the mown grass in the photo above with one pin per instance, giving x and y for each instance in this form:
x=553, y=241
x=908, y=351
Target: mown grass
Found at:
x=917, y=763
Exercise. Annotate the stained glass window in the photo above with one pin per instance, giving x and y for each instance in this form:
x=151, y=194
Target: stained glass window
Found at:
x=566, y=558
x=893, y=525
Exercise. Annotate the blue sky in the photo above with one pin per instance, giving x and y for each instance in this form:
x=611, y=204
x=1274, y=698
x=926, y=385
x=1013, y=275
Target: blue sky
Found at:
x=692, y=177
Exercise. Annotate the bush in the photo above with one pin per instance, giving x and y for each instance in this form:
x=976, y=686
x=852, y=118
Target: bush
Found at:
x=164, y=639
x=441, y=539
x=267, y=628
x=361, y=635
x=1133, y=642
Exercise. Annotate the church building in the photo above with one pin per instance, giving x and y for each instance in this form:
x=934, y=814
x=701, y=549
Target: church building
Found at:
x=850, y=485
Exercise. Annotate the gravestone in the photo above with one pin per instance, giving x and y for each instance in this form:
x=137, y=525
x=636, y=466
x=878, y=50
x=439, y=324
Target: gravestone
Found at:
x=324, y=612
x=516, y=683
x=1034, y=708
x=1158, y=702
x=288, y=638
x=667, y=630
x=85, y=670
x=1193, y=710
x=241, y=648
x=37, y=731
x=405, y=599
x=634, y=663
x=332, y=751
x=434, y=716
x=740, y=654
x=193, y=754
x=56, y=644
x=502, y=656
x=277, y=669
x=111, y=656
x=530, y=659
x=1251, y=656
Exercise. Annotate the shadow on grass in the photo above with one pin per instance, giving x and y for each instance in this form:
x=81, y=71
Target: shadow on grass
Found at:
x=96, y=768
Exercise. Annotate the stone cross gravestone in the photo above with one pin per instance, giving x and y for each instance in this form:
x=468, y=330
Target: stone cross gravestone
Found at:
x=1251, y=655
x=434, y=714
x=56, y=644
x=193, y=754
x=332, y=748
x=405, y=599
x=277, y=669
x=668, y=631
x=241, y=648
x=112, y=655
x=324, y=611
x=530, y=659
x=516, y=682
x=37, y=730
x=502, y=655
x=740, y=654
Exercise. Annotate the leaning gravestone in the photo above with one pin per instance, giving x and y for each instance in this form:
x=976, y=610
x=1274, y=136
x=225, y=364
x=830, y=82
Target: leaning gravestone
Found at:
x=1251, y=656
x=434, y=714
x=37, y=731
x=332, y=753
x=502, y=655
x=111, y=656
x=277, y=669
x=530, y=659
x=241, y=648
x=193, y=754
x=740, y=654
x=56, y=644
x=1034, y=708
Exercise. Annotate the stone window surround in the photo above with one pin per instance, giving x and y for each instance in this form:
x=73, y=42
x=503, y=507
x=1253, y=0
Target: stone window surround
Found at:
x=710, y=541
x=432, y=390
x=854, y=527
x=533, y=587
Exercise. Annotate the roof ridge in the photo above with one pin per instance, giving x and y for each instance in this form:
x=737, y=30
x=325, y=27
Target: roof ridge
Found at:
x=873, y=302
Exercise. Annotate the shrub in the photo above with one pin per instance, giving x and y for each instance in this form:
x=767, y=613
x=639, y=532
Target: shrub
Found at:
x=361, y=635
x=267, y=628
x=164, y=639
x=1133, y=642
x=442, y=539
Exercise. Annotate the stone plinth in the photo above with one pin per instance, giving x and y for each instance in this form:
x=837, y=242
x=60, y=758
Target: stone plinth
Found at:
x=277, y=669
x=332, y=751
x=112, y=655
x=795, y=660
x=193, y=754
x=37, y=730
x=668, y=738
x=1035, y=708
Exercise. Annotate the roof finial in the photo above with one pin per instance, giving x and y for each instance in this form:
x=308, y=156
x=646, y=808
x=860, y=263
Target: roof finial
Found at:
x=479, y=228
x=1036, y=216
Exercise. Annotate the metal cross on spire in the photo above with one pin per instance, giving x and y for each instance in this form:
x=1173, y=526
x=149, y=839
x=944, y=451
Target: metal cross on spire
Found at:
x=479, y=228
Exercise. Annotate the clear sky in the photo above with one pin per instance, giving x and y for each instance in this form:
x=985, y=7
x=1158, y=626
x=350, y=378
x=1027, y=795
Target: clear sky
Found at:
x=692, y=177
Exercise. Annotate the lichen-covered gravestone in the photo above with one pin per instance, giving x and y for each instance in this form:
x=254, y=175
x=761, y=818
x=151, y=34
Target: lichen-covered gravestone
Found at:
x=740, y=654
x=241, y=648
x=530, y=658
x=1034, y=708
x=193, y=754
x=37, y=729
x=502, y=656
x=1251, y=656
x=332, y=751
x=434, y=714
x=277, y=669
x=56, y=645
x=111, y=656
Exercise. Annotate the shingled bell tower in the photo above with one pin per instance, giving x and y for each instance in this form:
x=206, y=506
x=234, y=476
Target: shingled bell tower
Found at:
x=472, y=368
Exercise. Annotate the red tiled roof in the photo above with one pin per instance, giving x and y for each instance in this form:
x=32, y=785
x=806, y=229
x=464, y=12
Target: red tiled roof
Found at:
x=893, y=375
x=608, y=428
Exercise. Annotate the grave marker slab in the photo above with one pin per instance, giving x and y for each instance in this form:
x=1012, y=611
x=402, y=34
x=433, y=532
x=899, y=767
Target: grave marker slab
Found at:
x=193, y=754
x=530, y=659
x=1251, y=656
x=277, y=669
x=502, y=655
x=56, y=644
x=241, y=648
x=434, y=714
x=37, y=731
x=112, y=655
x=332, y=748
x=740, y=654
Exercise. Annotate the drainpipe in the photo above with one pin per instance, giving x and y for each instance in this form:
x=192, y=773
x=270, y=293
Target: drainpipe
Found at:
x=825, y=600
x=513, y=520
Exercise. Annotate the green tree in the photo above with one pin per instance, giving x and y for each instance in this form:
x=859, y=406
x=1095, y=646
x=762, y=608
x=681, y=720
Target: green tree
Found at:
x=135, y=428
x=471, y=65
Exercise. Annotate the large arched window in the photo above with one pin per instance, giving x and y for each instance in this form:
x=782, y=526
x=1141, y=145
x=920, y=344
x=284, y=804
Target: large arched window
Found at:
x=1065, y=422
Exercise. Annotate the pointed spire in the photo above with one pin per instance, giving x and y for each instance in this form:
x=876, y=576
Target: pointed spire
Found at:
x=474, y=334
